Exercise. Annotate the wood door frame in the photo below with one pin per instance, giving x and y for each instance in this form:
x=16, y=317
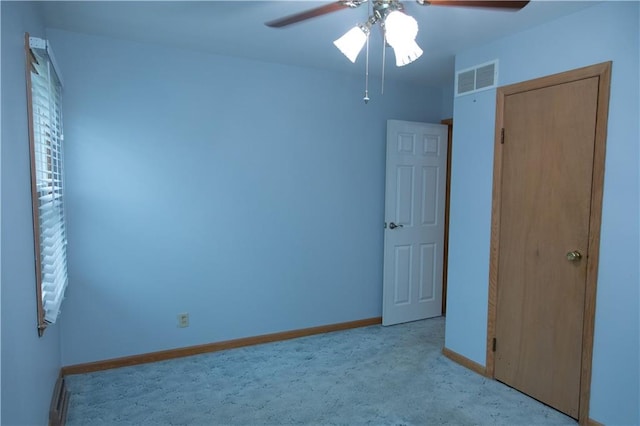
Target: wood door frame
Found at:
x=603, y=72
x=447, y=201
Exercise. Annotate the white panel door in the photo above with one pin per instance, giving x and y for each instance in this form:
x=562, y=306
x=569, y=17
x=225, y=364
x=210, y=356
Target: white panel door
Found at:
x=414, y=221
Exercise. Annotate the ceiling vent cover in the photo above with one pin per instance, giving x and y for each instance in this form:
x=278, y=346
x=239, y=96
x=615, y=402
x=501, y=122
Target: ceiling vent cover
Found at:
x=475, y=79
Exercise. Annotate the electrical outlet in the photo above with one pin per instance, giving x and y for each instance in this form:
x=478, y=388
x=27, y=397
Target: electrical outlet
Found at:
x=183, y=320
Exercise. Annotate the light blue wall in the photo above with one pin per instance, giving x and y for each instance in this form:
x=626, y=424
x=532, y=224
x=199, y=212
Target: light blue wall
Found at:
x=30, y=365
x=247, y=194
x=604, y=32
x=447, y=102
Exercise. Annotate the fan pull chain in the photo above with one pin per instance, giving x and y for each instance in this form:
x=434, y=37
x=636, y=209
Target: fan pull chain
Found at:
x=384, y=53
x=366, y=75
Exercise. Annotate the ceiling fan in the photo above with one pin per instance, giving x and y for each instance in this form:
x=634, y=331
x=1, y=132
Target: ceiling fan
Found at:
x=399, y=29
x=381, y=5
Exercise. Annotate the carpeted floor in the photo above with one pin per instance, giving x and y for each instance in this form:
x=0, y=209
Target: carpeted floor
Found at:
x=373, y=375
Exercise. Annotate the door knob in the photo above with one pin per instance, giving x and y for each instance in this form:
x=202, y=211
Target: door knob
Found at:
x=394, y=226
x=574, y=256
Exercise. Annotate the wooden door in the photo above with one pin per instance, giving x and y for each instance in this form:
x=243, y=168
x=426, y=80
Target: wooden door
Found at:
x=545, y=240
x=414, y=214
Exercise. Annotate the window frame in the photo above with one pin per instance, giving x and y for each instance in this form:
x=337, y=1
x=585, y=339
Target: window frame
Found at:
x=53, y=184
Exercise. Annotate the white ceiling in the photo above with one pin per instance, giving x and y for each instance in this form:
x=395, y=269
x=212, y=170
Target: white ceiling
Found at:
x=236, y=28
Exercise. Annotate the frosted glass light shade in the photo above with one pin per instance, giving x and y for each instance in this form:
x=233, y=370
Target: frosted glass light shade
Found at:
x=400, y=27
x=401, y=31
x=407, y=53
x=351, y=43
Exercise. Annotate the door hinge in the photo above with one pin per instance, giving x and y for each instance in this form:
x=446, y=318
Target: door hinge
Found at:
x=502, y=136
x=494, y=344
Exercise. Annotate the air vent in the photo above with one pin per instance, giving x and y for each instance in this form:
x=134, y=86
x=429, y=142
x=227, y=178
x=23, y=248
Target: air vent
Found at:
x=475, y=79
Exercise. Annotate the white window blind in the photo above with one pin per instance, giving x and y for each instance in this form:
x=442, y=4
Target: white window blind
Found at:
x=47, y=180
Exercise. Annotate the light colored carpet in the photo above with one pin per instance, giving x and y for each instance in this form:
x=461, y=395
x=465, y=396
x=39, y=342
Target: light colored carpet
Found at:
x=373, y=375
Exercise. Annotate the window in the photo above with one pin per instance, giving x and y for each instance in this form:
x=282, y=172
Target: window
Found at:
x=44, y=96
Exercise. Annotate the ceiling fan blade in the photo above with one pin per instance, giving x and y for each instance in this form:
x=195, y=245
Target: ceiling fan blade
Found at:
x=307, y=14
x=494, y=4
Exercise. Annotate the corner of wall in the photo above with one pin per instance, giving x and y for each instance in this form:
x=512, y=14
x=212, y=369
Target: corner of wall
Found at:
x=29, y=365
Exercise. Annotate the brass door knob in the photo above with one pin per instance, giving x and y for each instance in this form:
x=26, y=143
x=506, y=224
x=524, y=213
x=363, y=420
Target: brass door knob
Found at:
x=574, y=256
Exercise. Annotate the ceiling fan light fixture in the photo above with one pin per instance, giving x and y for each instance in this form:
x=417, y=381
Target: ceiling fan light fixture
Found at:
x=401, y=31
x=352, y=42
